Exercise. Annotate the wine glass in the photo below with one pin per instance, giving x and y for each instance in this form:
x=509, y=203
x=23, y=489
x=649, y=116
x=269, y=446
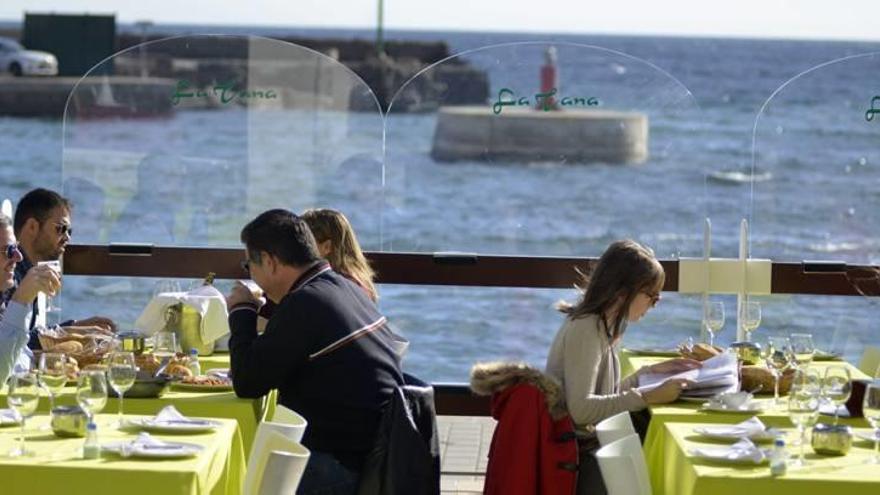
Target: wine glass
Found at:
x=91, y=392
x=803, y=406
x=837, y=386
x=714, y=319
x=751, y=318
x=23, y=398
x=871, y=410
x=51, y=304
x=775, y=354
x=121, y=372
x=53, y=374
x=802, y=348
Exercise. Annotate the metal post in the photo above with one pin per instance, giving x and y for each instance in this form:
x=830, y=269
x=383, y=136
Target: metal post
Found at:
x=380, y=40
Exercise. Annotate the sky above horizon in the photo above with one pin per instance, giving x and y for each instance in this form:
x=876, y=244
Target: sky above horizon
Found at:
x=800, y=19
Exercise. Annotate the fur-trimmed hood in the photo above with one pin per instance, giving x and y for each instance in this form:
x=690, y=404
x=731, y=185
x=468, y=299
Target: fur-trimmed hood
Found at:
x=492, y=378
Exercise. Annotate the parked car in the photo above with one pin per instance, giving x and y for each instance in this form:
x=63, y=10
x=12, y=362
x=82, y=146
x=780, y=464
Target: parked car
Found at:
x=19, y=61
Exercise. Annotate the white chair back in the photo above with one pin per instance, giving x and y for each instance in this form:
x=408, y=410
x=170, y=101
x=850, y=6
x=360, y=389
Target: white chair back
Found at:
x=623, y=467
x=614, y=428
x=283, y=471
x=870, y=362
x=290, y=418
x=270, y=436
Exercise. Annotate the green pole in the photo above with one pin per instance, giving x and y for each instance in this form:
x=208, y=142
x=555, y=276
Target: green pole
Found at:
x=380, y=42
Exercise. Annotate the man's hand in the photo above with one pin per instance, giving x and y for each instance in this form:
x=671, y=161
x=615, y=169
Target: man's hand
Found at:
x=97, y=321
x=676, y=365
x=38, y=279
x=668, y=392
x=241, y=294
x=87, y=330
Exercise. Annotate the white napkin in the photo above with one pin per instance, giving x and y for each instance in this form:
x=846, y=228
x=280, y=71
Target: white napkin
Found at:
x=749, y=427
x=206, y=299
x=9, y=417
x=170, y=414
x=743, y=450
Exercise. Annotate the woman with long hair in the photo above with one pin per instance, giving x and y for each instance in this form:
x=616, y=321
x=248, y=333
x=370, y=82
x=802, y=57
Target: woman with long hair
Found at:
x=624, y=285
x=338, y=244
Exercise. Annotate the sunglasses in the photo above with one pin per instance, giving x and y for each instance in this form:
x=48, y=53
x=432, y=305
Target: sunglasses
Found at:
x=63, y=229
x=654, y=296
x=246, y=266
x=12, y=251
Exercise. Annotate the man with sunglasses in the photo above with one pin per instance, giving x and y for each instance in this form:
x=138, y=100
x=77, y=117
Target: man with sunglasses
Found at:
x=43, y=227
x=15, y=312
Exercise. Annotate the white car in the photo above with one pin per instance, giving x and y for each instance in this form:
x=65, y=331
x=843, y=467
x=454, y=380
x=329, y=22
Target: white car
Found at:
x=15, y=59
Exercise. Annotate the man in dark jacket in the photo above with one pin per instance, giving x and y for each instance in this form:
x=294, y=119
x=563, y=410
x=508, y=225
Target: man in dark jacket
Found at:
x=326, y=348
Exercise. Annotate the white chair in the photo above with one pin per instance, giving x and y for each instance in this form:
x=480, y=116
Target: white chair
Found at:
x=284, y=470
x=623, y=467
x=265, y=441
x=614, y=428
x=870, y=361
x=290, y=418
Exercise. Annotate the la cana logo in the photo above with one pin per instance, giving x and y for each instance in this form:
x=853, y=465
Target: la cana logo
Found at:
x=225, y=92
x=874, y=109
x=545, y=101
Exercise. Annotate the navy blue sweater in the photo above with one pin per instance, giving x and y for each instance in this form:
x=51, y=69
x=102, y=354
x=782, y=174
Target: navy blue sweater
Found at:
x=328, y=351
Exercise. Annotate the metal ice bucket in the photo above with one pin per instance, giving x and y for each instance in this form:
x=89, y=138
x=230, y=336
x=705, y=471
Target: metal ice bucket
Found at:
x=186, y=323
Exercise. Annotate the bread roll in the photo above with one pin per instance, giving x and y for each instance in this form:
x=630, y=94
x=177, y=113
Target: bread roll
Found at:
x=758, y=376
x=701, y=352
x=178, y=370
x=69, y=347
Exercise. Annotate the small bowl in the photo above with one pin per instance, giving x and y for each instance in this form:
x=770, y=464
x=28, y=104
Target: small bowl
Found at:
x=69, y=421
x=735, y=400
x=133, y=342
x=147, y=387
x=831, y=439
x=747, y=352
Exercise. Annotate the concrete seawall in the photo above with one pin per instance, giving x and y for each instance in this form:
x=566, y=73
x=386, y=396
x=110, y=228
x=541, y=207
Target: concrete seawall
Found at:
x=526, y=135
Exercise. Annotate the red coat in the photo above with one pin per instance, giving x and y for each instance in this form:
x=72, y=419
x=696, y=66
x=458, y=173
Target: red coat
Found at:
x=531, y=454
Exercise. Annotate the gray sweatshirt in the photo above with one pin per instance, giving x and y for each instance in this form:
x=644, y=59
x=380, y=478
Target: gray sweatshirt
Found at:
x=586, y=364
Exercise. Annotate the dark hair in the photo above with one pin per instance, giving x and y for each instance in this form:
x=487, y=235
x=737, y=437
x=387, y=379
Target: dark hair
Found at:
x=282, y=234
x=37, y=203
x=624, y=269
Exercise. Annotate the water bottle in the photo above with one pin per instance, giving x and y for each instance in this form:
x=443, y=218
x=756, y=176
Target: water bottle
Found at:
x=194, y=365
x=778, y=457
x=91, y=449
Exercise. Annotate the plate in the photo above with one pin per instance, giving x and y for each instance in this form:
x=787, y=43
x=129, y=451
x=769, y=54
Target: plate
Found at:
x=195, y=387
x=176, y=426
x=866, y=435
x=650, y=351
x=695, y=400
x=8, y=418
x=709, y=432
x=751, y=408
x=168, y=450
x=720, y=454
x=827, y=356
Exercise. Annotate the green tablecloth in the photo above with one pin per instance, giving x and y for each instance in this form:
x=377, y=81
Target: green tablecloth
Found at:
x=686, y=474
x=57, y=466
x=662, y=450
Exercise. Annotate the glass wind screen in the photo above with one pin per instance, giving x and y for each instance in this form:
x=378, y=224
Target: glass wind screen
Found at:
x=183, y=140
x=815, y=151
x=559, y=150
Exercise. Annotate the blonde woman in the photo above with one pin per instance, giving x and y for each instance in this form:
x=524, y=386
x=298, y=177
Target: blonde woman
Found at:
x=338, y=244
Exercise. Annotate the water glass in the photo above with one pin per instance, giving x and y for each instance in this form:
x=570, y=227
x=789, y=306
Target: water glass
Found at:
x=714, y=319
x=23, y=398
x=775, y=354
x=750, y=318
x=53, y=374
x=91, y=392
x=803, y=408
x=837, y=386
x=121, y=372
x=871, y=410
x=51, y=304
x=802, y=348
x=164, y=345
